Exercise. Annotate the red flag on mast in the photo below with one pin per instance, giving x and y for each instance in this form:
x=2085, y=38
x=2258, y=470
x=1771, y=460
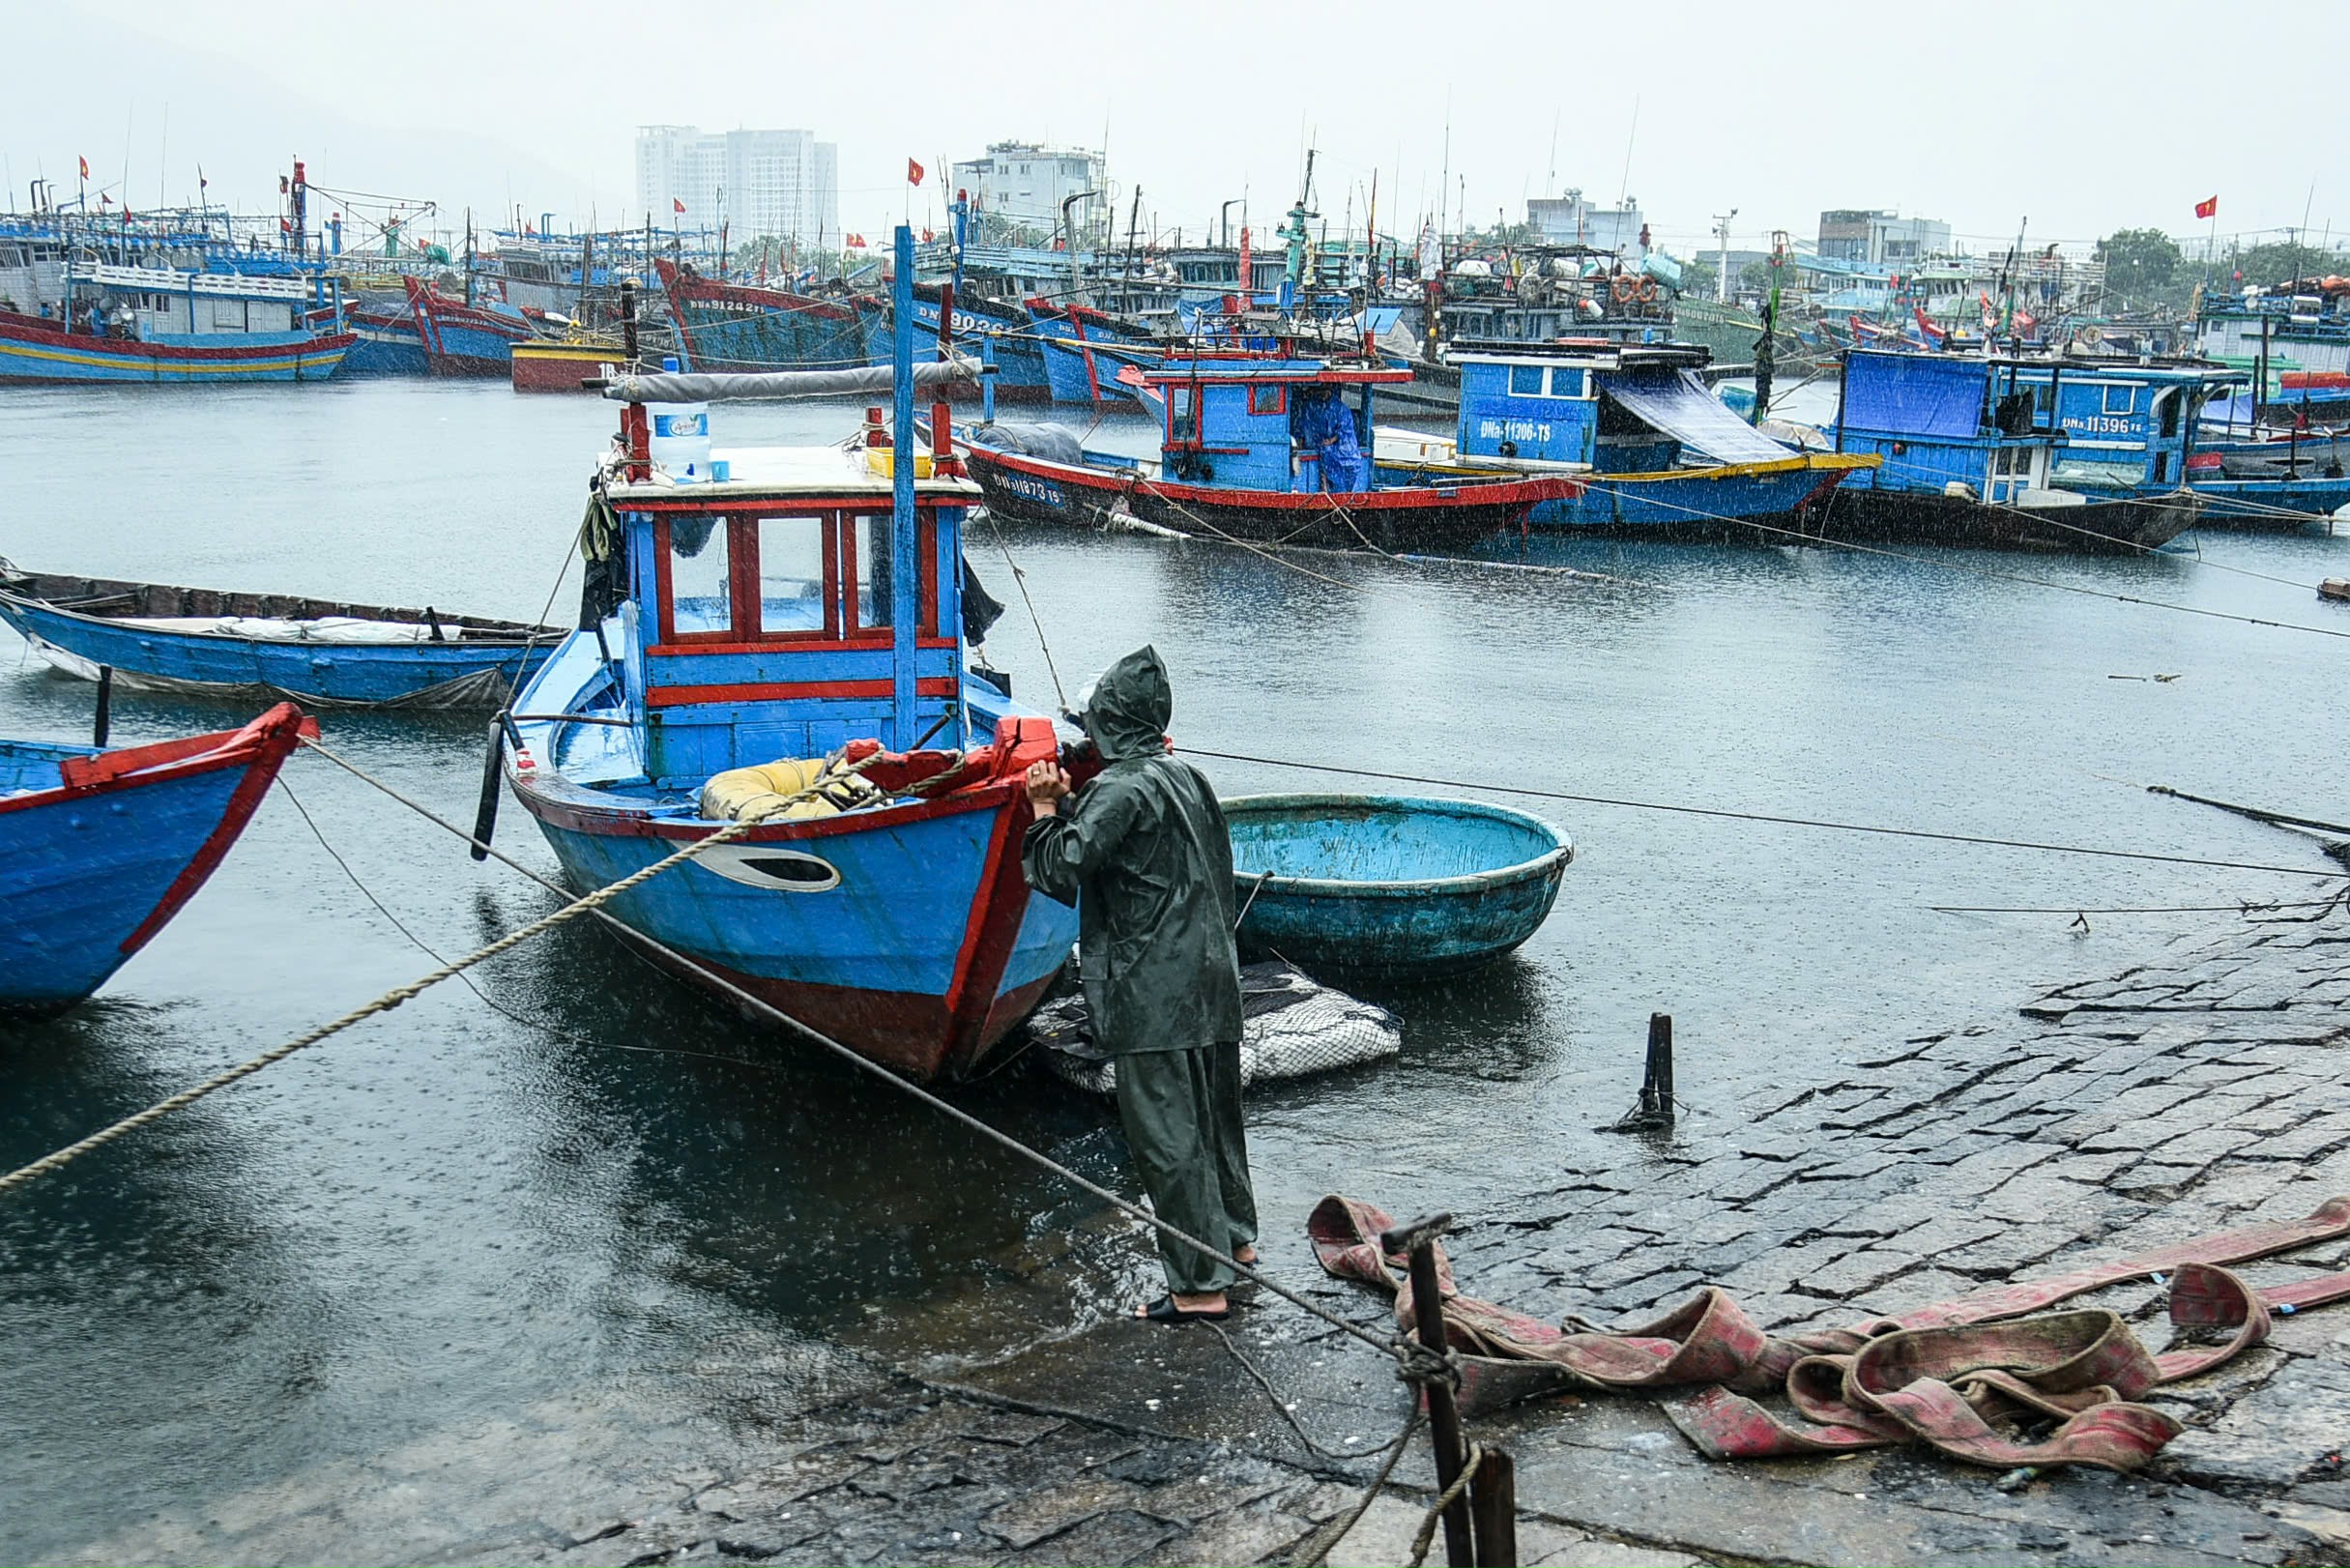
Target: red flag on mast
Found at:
x=2207, y=209
x=679, y=203
x=85, y=168
x=913, y=172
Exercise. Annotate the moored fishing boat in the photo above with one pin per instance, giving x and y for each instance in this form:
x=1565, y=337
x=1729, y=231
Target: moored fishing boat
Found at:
x=172, y=327
x=1083, y=350
x=1658, y=454
x=744, y=326
x=387, y=343
x=466, y=340
x=565, y=364
x=327, y=653
x=99, y=849
x=2008, y=452
x=1245, y=439
x=785, y=645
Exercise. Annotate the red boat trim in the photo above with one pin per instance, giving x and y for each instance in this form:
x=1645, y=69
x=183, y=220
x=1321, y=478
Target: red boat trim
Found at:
x=791, y=642
x=761, y=692
x=606, y=822
x=32, y=328
x=264, y=745
x=1470, y=493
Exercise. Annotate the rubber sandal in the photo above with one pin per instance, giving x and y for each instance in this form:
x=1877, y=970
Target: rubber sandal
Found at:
x=1165, y=1311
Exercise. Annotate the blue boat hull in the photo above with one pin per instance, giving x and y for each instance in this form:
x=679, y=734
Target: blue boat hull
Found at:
x=387, y=349
x=1020, y=373
x=449, y=674
x=33, y=352
x=89, y=874
x=1084, y=371
x=1391, y=886
x=2275, y=506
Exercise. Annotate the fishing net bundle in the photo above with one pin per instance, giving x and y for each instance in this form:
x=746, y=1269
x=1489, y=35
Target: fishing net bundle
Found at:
x=1290, y=1028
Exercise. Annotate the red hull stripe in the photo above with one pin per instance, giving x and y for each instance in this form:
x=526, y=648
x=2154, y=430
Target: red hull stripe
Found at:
x=261, y=748
x=785, y=690
x=1473, y=493
x=25, y=329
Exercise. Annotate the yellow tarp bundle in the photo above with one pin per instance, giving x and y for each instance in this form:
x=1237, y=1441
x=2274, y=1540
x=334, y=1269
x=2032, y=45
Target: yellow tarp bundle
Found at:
x=778, y=789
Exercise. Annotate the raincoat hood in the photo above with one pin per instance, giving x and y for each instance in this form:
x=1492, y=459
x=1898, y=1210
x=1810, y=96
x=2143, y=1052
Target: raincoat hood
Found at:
x=1130, y=704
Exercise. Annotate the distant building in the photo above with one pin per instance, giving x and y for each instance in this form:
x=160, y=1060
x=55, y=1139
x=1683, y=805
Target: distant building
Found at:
x=1876, y=237
x=782, y=184
x=1571, y=220
x=1024, y=183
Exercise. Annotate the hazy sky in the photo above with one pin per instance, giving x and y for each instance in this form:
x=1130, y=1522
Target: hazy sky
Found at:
x=2081, y=118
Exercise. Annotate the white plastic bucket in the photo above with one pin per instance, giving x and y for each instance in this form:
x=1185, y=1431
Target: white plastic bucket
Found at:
x=680, y=440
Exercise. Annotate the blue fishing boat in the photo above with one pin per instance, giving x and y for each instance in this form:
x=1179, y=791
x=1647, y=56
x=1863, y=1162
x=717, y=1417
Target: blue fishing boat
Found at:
x=799, y=623
x=466, y=339
x=986, y=283
x=1657, y=455
x=1390, y=883
x=177, y=327
x=1084, y=349
x=1254, y=430
x=98, y=850
x=387, y=343
x=2014, y=450
x=326, y=652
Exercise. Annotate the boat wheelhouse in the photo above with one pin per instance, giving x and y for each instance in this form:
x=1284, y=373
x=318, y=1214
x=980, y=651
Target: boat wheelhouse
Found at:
x=1657, y=455
x=784, y=642
x=2017, y=451
x=1245, y=435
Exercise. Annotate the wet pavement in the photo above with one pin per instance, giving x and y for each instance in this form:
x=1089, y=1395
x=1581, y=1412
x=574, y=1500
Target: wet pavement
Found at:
x=2194, y=1092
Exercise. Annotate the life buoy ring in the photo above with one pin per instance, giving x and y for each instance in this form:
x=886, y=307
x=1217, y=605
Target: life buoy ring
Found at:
x=1621, y=289
x=1646, y=291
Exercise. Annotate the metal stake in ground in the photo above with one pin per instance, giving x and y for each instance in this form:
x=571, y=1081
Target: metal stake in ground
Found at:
x=1417, y=1240
x=1656, y=1088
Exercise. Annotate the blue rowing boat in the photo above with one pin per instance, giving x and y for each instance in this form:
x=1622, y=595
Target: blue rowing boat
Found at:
x=797, y=625
x=270, y=647
x=1394, y=884
x=99, y=849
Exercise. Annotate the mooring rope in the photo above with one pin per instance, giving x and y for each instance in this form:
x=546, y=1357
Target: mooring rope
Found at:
x=586, y=903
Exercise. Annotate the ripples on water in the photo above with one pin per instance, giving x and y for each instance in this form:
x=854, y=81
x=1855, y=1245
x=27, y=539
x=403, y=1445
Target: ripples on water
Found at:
x=560, y=1250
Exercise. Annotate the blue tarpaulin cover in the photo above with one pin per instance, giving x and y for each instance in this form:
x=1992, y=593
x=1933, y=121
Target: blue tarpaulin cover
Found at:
x=1682, y=406
x=1914, y=395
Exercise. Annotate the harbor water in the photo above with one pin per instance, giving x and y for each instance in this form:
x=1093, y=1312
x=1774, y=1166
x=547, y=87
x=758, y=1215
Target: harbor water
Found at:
x=461, y=1265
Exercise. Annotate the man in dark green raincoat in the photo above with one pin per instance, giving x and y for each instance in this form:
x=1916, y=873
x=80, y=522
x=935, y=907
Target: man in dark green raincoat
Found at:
x=1141, y=850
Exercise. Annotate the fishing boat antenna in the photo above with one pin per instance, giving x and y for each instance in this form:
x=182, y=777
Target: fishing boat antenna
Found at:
x=1623, y=191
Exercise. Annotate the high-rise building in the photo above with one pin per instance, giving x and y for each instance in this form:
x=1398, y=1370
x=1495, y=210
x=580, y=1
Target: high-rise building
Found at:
x=780, y=185
x=1024, y=184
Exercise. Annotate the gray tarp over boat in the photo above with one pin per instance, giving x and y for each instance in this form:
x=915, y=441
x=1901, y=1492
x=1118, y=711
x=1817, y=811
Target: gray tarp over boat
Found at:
x=687, y=387
x=1681, y=406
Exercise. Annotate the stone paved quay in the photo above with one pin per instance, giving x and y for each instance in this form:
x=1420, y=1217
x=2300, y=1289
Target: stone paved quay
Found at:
x=2196, y=1092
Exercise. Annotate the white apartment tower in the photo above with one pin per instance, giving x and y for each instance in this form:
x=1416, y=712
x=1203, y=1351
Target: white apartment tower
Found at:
x=782, y=184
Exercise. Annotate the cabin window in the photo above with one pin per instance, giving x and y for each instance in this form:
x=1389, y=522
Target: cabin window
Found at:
x=1182, y=418
x=700, y=599
x=1566, y=383
x=1272, y=400
x=791, y=595
x=2119, y=399
x=1525, y=380
x=871, y=601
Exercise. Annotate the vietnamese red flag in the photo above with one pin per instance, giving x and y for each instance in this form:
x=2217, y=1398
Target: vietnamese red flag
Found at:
x=913, y=172
x=85, y=168
x=2207, y=209
x=679, y=204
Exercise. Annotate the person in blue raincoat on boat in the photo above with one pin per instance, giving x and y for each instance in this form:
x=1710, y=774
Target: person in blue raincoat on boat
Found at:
x=1324, y=425
x=1141, y=850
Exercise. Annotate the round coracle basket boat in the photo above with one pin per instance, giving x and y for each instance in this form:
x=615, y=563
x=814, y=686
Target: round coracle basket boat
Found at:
x=1391, y=884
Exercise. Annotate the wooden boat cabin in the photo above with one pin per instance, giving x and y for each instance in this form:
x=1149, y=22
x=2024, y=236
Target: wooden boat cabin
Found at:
x=765, y=619
x=1618, y=408
x=1240, y=418
x=2004, y=427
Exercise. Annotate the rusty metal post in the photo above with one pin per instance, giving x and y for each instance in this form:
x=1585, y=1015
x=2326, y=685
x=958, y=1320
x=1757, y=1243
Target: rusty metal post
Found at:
x=1493, y=1507
x=1656, y=1087
x=1417, y=1241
